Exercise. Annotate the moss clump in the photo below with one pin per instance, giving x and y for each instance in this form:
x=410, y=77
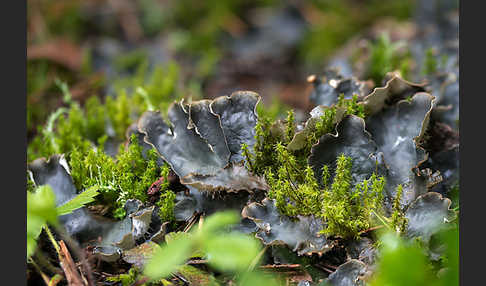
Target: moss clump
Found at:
x=166, y=200
x=349, y=210
x=263, y=151
x=295, y=189
x=166, y=205
x=72, y=124
x=74, y=127
x=292, y=182
x=127, y=176
x=268, y=136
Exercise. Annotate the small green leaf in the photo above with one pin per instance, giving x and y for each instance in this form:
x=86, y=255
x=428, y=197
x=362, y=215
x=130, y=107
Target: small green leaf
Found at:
x=42, y=204
x=231, y=252
x=41, y=208
x=167, y=259
x=402, y=263
x=218, y=221
x=79, y=201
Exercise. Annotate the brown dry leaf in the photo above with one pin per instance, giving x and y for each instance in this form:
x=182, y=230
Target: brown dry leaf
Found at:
x=296, y=95
x=61, y=51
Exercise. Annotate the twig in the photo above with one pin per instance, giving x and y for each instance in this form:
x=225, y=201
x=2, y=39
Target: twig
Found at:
x=67, y=264
x=79, y=253
x=280, y=266
x=192, y=221
x=329, y=266
x=370, y=229
x=324, y=268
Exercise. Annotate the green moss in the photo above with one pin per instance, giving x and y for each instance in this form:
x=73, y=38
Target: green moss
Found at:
x=430, y=62
x=267, y=136
x=294, y=189
x=71, y=126
x=166, y=204
x=386, y=57
x=263, y=155
x=126, y=279
x=133, y=275
x=290, y=126
x=398, y=221
x=348, y=210
x=128, y=176
x=75, y=130
x=166, y=201
x=273, y=111
x=119, y=113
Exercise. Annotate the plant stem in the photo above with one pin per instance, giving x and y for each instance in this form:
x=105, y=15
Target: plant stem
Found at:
x=52, y=239
x=42, y=274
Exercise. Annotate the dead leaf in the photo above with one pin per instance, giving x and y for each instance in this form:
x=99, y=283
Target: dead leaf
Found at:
x=60, y=51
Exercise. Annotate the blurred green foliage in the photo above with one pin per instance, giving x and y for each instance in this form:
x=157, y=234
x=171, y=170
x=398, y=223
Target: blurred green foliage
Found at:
x=336, y=21
x=385, y=57
x=405, y=262
x=227, y=252
x=41, y=209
